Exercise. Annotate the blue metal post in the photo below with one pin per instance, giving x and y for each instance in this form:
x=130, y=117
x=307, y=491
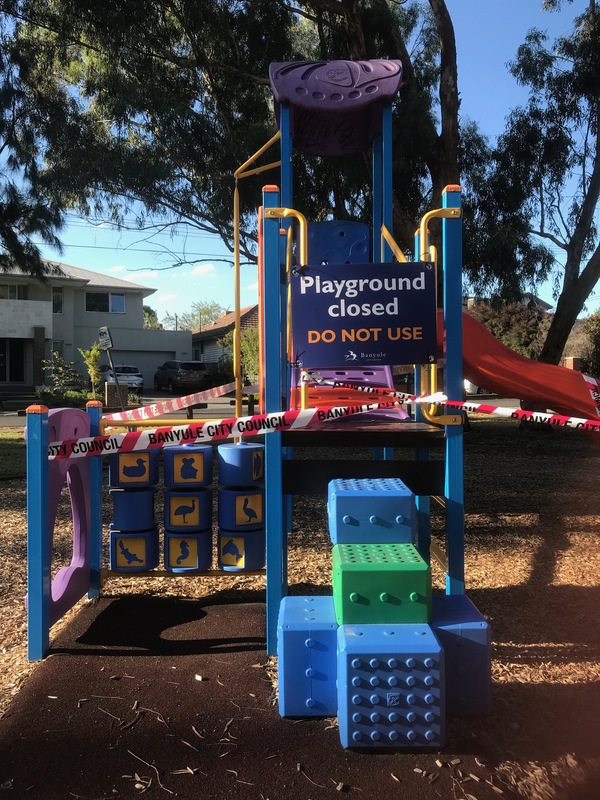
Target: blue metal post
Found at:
x=423, y=502
x=454, y=483
x=38, y=534
x=387, y=177
x=94, y=409
x=377, y=198
x=287, y=201
x=274, y=516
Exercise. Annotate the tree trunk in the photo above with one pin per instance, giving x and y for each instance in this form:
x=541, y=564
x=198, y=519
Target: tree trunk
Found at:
x=570, y=304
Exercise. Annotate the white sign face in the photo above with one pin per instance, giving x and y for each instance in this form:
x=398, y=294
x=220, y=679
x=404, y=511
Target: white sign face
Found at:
x=104, y=339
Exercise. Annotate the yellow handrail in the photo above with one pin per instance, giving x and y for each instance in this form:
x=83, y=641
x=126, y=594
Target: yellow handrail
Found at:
x=447, y=213
x=385, y=234
x=285, y=213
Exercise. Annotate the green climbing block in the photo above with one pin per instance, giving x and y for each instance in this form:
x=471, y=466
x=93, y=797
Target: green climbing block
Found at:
x=380, y=583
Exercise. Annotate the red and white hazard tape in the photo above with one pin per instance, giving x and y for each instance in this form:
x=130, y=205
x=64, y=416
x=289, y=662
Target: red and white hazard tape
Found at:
x=560, y=420
x=206, y=431
x=168, y=406
x=218, y=430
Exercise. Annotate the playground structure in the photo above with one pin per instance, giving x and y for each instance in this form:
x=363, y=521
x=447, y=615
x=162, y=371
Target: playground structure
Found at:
x=389, y=316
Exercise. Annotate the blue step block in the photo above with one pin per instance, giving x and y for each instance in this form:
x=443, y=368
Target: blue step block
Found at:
x=307, y=661
x=390, y=686
x=374, y=510
x=466, y=638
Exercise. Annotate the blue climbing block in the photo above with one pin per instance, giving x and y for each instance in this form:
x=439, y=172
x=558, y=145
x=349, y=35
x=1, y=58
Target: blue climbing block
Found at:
x=241, y=509
x=133, y=509
x=371, y=510
x=241, y=551
x=306, y=653
x=466, y=638
x=188, y=466
x=241, y=464
x=133, y=470
x=133, y=552
x=390, y=686
x=188, y=510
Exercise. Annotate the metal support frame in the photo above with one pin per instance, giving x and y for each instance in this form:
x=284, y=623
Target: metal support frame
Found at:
x=452, y=295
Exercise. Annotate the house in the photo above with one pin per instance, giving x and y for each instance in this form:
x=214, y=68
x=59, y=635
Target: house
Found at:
x=205, y=342
x=64, y=314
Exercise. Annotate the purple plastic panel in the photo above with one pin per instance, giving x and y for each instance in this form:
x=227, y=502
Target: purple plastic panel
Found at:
x=335, y=105
x=71, y=582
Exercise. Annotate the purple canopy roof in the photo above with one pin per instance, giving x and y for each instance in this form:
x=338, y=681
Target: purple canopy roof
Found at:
x=335, y=105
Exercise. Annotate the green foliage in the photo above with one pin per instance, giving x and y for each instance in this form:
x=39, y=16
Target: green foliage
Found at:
x=151, y=322
x=13, y=461
x=27, y=212
x=91, y=359
x=521, y=327
x=63, y=375
x=591, y=326
x=201, y=313
x=57, y=398
x=249, y=353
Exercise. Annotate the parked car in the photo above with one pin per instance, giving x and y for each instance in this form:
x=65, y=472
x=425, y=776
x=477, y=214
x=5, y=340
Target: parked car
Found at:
x=179, y=376
x=126, y=373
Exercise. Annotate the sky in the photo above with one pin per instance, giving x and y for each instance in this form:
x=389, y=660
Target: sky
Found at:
x=488, y=33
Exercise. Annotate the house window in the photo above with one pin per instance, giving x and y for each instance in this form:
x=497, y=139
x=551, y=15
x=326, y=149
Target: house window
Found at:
x=58, y=347
x=57, y=300
x=13, y=291
x=105, y=302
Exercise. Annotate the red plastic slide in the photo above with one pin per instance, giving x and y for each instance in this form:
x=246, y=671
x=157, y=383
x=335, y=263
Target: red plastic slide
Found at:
x=490, y=364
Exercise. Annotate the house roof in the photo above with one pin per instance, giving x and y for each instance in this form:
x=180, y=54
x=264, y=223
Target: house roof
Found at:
x=91, y=279
x=223, y=323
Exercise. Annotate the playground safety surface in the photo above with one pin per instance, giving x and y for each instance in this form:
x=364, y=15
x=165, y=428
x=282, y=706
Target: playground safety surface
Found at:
x=171, y=697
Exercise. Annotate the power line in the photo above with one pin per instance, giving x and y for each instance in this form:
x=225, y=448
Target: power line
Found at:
x=131, y=250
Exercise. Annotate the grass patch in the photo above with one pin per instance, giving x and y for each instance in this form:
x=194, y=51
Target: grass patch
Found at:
x=12, y=454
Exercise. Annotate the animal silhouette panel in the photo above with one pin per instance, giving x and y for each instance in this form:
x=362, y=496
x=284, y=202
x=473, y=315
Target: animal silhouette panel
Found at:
x=184, y=511
x=183, y=552
x=130, y=552
x=188, y=468
x=248, y=510
x=258, y=465
x=134, y=468
x=188, y=510
x=232, y=552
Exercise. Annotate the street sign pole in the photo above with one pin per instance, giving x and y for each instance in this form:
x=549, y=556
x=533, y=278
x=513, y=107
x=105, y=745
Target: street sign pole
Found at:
x=105, y=342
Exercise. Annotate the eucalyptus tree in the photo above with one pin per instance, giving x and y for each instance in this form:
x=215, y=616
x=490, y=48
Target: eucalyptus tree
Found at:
x=547, y=164
x=172, y=96
x=26, y=211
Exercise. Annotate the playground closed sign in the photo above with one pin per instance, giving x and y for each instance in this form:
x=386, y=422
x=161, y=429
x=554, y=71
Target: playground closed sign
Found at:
x=363, y=314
